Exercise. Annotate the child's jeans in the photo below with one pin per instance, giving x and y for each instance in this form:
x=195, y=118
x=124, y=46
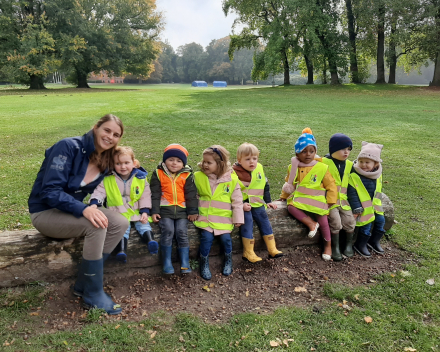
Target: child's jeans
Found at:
x=169, y=228
x=206, y=239
x=379, y=223
x=321, y=219
x=260, y=216
x=140, y=227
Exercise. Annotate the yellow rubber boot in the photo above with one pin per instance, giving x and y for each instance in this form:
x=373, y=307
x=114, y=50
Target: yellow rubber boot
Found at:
x=248, y=250
x=271, y=247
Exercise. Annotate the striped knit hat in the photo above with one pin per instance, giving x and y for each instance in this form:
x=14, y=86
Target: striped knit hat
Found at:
x=305, y=140
x=175, y=150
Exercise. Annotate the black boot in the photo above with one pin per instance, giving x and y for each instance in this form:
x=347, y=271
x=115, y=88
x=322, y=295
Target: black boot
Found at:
x=336, y=253
x=348, y=251
x=148, y=238
x=361, y=245
x=374, y=241
x=121, y=256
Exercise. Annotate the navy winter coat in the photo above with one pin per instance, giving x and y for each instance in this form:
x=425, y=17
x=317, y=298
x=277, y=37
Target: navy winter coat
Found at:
x=353, y=198
x=58, y=183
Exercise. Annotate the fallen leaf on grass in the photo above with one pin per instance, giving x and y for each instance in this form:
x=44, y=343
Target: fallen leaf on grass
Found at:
x=356, y=297
x=117, y=327
x=247, y=293
x=266, y=332
x=410, y=349
x=181, y=339
x=430, y=282
x=300, y=289
x=368, y=320
x=153, y=335
x=65, y=342
x=274, y=343
x=405, y=273
x=34, y=313
x=206, y=288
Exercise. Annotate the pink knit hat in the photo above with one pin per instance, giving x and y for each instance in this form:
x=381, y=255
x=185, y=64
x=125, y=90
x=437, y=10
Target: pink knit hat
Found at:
x=371, y=151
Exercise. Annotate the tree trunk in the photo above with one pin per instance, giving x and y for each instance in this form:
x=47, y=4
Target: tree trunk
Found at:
x=286, y=68
x=381, y=46
x=36, y=82
x=334, y=79
x=324, y=72
x=352, y=39
x=82, y=80
x=309, y=65
x=436, y=78
x=393, y=56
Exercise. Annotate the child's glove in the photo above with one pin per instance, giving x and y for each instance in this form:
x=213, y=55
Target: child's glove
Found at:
x=288, y=188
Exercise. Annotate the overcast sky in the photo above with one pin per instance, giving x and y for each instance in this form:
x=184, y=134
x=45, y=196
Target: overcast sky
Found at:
x=197, y=21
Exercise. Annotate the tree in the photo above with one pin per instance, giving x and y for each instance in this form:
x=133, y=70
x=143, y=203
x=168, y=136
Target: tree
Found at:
x=191, y=62
x=168, y=60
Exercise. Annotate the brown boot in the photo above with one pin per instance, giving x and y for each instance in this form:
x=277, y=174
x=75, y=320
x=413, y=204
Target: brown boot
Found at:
x=271, y=247
x=327, y=252
x=311, y=224
x=248, y=250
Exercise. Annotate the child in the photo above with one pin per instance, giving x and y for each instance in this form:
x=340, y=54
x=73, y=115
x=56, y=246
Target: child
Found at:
x=340, y=216
x=174, y=197
x=128, y=193
x=220, y=206
x=256, y=198
x=310, y=189
x=364, y=196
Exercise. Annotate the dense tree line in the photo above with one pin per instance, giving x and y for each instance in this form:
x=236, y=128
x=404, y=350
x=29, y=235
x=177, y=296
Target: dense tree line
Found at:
x=39, y=37
x=336, y=38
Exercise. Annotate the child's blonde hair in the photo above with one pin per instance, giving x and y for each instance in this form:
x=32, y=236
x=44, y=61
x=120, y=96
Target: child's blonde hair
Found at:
x=126, y=151
x=221, y=157
x=247, y=149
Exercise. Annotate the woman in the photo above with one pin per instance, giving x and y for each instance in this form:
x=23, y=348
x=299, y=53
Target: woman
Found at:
x=71, y=170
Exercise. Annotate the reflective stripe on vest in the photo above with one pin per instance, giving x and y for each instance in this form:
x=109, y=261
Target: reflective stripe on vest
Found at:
x=342, y=185
x=114, y=196
x=309, y=195
x=369, y=205
x=255, y=191
x=215, y=210
x=172, y=189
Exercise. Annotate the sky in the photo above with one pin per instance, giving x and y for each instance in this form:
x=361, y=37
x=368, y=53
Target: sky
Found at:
x=199, y=21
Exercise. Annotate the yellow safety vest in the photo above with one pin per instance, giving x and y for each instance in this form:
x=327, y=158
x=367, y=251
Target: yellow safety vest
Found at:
x=342, y=185
x=309, y=195
x=370, y=206
x=215, y=210
x=114, y=196
x=255, y=191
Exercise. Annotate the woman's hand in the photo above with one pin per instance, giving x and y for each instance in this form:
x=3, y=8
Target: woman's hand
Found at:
x=95, y=216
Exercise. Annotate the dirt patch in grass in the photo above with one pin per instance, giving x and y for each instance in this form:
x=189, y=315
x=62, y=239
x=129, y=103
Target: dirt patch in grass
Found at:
x=297, y=279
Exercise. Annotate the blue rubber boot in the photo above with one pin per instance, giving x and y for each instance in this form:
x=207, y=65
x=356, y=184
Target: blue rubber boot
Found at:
x=148, y=238
x=78, y=288
x=227, y=268
x=205, y=273
x=360, y=245
x=166, y=260
x=92, y=272
x=185, y=268
x=122, y=256
x=374, y=241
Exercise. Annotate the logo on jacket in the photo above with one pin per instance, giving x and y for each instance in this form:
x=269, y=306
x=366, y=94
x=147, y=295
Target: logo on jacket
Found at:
x=226, y=188
x=259, y=176
x=137, y=190
x=314, y=178
x=58, y=162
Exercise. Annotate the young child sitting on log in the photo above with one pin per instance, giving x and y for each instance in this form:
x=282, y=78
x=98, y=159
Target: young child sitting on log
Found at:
x=256, y=198
x=310, y=189
x=128, y=193
x=365, y=198
x=220, y=206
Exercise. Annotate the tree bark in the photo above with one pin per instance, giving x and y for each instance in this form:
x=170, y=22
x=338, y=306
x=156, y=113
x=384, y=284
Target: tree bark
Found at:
x=324, y=72
x=36, y=82
x=286, y=68
x=436, y=77
x=393, y=55
x=334, y=79
x=352, y=39
x=82, y=79
x=380, y=63
x=309, y=65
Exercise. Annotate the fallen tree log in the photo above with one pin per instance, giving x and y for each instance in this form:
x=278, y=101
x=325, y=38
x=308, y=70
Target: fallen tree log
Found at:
x=28, y=256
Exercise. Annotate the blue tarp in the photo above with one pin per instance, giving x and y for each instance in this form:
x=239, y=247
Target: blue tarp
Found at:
x=220, y=84
x=199, y=84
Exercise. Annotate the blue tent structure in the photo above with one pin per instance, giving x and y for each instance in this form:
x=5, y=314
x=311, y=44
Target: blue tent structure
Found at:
x=199, y=84
x=220, y=84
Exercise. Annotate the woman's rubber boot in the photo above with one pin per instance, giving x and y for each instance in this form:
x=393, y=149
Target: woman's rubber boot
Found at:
x=327, y=248
x=227, y=267
x=348, y=251
x=361, y=245
x=312, y=225
x=167, y=265
x=122, y=256
x=271, y=247
x=148, y=238
x=374, y=241
x=248, y=250
x=336, y=252
x=185, y=268
x=205, y=273
x=78, y=288
x=94, y=296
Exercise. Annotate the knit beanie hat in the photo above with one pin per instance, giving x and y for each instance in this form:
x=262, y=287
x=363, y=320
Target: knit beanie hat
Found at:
x=371, y=151
x=175, y=150
x=305, y=140
x=339, y=141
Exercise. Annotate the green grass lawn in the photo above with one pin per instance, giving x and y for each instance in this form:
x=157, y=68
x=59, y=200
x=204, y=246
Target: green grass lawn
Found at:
x=405, y=310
